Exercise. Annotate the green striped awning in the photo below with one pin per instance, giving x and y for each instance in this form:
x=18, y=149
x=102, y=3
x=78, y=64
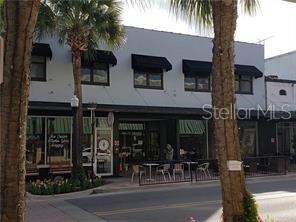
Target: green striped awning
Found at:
x=34, y=125
x=191, y=126
x=131, y=126
x=87, y=125
x=102, y=122
x=62, y=125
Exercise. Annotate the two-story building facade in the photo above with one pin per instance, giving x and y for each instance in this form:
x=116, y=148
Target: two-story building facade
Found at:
x=281, y=96
x=150, y=92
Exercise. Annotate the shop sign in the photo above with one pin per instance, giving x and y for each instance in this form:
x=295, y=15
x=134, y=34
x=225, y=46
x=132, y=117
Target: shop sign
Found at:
x=58, y=141
x=234, y=165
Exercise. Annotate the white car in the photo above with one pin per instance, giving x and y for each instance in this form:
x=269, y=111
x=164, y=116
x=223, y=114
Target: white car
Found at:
x=101, y=156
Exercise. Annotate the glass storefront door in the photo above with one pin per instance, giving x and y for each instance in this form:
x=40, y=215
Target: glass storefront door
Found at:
x=248, y=138
x=286, y=137
x=104, y=152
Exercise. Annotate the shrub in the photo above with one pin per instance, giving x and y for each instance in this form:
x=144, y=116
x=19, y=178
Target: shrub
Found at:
x=81, y=173
x=98, y=181
x=58, y=186
x=250, y=208
x=269, y=219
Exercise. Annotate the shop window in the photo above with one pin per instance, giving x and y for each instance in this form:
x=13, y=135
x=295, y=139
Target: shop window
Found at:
x=97, y=74
x=38, y=68
x=59, y=140
x=286, y=140
x=197, y=83
x=132, y=143
x=35, y=144
x=243, y=84
x=148, y=79
x=248, y=138
x=283, y=92
x=193, y=139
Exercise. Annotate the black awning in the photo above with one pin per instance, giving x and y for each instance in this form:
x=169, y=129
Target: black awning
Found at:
x=150, y=62
x=192, y=67
x=101, y=56
x=248, y=70
x=42, y=49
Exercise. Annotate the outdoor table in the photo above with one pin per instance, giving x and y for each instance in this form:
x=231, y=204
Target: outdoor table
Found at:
x=189, y=165
x=150, y=169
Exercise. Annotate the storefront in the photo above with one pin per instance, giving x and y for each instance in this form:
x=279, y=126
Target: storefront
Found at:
x=49, y=140
x=145, y=140
x=286, y=140
x=138, y=140
x=49, y=145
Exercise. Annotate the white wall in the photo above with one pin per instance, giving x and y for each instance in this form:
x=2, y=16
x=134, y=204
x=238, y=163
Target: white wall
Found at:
x=59, y=85
x=280, y=102
x=284, y=66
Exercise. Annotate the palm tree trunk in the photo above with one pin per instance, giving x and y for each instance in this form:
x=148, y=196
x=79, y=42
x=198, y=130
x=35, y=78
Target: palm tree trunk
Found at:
x=78, y=119
x=20, y=19
x=223, y=98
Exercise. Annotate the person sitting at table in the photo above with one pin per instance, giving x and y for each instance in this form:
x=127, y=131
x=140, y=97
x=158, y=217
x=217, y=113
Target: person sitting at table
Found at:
x=169, y=152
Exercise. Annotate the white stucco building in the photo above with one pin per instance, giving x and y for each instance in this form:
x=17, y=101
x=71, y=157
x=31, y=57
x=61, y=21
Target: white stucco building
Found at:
x=155, y=86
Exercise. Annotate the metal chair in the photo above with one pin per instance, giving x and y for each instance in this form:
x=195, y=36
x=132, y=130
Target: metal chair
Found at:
x=178, y=168
x=138, y=171
x=164, y=169
x=204, y=168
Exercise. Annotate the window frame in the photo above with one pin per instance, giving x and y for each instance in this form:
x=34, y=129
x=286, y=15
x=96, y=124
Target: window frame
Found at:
x=148, y=72
x=240, y=80
x=92, y=67
x=196, y=77
x=283, y=92
x=40, y=79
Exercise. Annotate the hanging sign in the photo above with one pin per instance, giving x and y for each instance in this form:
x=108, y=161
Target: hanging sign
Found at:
x=234, y=165
x=110, y=119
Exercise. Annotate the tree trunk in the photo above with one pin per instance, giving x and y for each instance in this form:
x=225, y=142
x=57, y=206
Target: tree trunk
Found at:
x=223, y=98
x=78, y=119
x=20, y=19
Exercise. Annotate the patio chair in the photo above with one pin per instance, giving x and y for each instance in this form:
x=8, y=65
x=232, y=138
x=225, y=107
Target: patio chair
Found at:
x=138, y=171
x=164, y=170
x=204, y=168
x=178, y=169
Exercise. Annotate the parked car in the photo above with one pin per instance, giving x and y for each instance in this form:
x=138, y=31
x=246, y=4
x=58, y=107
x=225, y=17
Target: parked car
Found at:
x=101, y=155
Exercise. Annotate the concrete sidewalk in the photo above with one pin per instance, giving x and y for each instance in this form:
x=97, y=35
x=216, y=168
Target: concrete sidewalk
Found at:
x=57, y=211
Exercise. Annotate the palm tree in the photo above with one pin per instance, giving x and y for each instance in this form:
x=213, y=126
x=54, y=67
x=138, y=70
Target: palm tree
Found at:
x=19, y=22
x=222, y=14
x=82, y=25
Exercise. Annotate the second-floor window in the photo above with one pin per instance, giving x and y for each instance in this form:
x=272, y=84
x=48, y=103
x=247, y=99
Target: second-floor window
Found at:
x=38, y=68
x=97, y=74
x=243, y=84
x=148, y=79
x=197, y=83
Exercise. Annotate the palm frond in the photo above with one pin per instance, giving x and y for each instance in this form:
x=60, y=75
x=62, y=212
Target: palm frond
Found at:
x=142, y=4
x=250, y=6
x=96, y=22
x=46, y=22
x=196, y=11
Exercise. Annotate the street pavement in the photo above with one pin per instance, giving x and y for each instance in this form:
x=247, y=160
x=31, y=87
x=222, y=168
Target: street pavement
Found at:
x=275, y=196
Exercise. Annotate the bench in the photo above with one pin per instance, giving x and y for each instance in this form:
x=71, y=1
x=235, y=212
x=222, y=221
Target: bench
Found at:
x=31, y=170
x=63, y=167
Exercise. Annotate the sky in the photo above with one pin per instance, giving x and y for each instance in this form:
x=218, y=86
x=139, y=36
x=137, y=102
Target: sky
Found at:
x=274, y=24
